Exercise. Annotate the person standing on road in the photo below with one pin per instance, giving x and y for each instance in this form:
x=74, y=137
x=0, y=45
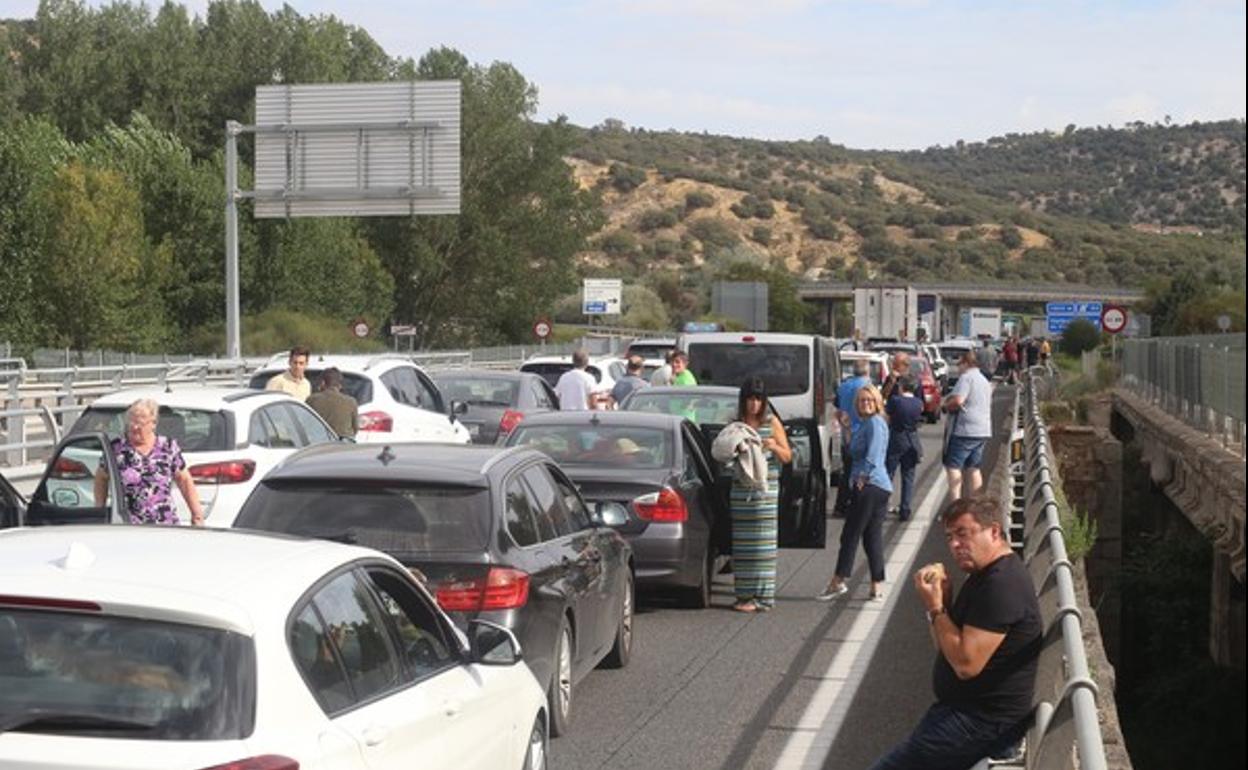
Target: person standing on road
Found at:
x=1011, y=354
x=1045, y=351
x=1033, y=352
x=905, y=451
x=663, y=375
x=754, y=525
x=340, y=410
x=149, y=466
x=576, y=386
x=630, y=382
x=680, y=369
x=847, y=416
x=872, y=488
x=970, y=402
x=900, y=368
x=292, y=380
x=988, y=646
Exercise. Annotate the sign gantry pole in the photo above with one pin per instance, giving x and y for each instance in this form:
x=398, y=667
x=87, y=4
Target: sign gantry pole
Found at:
x=233, y=343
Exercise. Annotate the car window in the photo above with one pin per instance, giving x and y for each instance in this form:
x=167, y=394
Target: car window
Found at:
x=577, y=513
x=785, y=368
x=598, y=445
x=281, y=430
x=195, y=430
x=548, y=506
x=356, y=629
x=188, y=682
x=694, y=468
x=480, y=391
x=422, y=641
x=427, y=392
x=406, y=387
x=316, y=660
x=541, y=398
x=258, y=431
x=311, y=429
x=520, y=520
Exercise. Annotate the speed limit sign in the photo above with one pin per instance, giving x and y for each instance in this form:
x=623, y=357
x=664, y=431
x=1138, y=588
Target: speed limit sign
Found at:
x=1113, y=319
x=542, y=328
x=359, y=327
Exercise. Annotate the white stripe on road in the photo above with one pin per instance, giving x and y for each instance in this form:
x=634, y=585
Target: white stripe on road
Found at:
x=815, y=732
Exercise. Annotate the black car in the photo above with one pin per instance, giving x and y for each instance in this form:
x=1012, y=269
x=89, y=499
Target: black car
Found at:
x=498, y=534
x=651, y=477
x=803, y=495
x=494, y=403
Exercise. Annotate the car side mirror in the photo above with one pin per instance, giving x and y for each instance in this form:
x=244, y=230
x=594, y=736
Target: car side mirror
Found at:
x=458, y=408
x=490, y=644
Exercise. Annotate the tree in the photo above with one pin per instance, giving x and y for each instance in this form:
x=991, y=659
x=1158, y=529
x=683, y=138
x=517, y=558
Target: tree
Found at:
x=1080, y=335
x=786, y=312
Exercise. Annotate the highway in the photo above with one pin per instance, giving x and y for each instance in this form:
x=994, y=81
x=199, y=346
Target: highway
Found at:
x=807, y=685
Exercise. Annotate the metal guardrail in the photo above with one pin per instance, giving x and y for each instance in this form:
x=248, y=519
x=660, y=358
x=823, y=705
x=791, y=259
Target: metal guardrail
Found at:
x=1066, y=718
x=1199, y=380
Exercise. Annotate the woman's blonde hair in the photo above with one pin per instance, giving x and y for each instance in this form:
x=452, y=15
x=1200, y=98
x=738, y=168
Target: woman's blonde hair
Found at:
x=876, y=400
x=146, y=407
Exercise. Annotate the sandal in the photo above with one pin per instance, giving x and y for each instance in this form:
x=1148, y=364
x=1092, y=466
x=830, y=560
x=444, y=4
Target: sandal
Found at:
x=745, y=607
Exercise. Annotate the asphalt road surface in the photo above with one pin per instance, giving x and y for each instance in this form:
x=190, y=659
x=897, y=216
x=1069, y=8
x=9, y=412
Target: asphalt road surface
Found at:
x=807, y=685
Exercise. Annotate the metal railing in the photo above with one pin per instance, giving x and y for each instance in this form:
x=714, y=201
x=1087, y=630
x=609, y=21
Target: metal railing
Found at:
x=1199, y=380
x=1066, y=718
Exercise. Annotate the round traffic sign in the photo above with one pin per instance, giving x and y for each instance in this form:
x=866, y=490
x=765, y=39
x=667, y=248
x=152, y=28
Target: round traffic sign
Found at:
x=1113, y=319
x=542, y=328
x=1224, y=322
x=360, y=328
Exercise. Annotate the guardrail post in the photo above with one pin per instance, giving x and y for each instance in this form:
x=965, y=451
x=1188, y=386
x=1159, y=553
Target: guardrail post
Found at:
x=66, y=401
x=13, y=428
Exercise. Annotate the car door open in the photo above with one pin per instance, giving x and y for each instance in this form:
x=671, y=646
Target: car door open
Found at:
x=67, y=492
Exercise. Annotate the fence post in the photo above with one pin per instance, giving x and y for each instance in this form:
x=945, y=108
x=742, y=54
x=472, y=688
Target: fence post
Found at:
x=14, y=427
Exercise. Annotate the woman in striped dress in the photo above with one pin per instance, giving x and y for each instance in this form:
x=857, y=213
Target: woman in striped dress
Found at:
x=754, y=524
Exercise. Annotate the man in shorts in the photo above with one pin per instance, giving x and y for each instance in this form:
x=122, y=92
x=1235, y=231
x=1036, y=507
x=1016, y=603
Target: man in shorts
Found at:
x=970, y=407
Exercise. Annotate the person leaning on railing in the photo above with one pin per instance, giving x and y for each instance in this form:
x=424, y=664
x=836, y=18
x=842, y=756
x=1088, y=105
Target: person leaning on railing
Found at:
x=988, y=645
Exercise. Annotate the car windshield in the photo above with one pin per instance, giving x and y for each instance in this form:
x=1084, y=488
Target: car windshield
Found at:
x=656, y=351
x=195, y=430
x=479, y=391
x=101, y=675
x=874, y=367
x=616, y=445
x=354, y=385
x=952, y=354
x=784, y=368
x=395, y=518
x=699, y=408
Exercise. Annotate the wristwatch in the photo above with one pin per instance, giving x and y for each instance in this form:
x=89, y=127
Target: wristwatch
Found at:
x=933, y=614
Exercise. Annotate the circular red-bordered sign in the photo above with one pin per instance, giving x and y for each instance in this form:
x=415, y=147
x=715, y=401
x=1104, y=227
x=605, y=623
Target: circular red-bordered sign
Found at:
x=1113, y=318
x=359, y=328
x=542, y=328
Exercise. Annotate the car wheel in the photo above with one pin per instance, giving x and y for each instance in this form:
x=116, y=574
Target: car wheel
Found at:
x=622, y=650
x=535, y=756
x=699, y=597
x=559, y=696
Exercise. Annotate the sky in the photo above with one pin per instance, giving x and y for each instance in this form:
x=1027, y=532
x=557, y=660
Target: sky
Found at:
x=887, y=74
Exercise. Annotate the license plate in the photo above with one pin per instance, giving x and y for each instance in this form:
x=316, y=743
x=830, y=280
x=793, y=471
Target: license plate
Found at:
x=474, y=430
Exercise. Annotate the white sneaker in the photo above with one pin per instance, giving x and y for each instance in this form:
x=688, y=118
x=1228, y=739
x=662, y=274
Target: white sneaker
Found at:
x=831, y=593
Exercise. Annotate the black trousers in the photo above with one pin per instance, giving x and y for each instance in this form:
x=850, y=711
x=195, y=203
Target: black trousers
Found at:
x=866, y=523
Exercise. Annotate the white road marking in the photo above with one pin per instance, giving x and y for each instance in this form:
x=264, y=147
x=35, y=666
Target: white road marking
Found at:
x=815, y=732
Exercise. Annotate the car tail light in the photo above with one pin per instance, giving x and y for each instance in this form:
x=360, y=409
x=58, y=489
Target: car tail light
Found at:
x=502, y=588
x=65, y=468
x=264, y=762
x=820, y=399
x=378, y=422
x=229, y=472
x=511, y=418
x=666, y=505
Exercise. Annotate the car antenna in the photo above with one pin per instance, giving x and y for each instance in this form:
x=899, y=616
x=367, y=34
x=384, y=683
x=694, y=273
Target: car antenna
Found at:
x=386, y=457
x=594, y=419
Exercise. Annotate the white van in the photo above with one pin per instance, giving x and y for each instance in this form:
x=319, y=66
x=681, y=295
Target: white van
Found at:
x=802, y=372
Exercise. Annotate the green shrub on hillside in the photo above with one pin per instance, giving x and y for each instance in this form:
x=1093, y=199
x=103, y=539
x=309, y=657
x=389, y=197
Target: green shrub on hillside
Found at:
x=656, y=219
x=1010, y=237
x=712, y=232
x=619, y=242
x=626, y=178
x=761, y=235
x=753, y=206
x=1080, y=335
x=928, y=231
x=698, y=199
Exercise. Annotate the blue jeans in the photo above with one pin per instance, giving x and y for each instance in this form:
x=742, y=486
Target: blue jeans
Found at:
x=948, y=739
x=865, y=522
x=905, y=452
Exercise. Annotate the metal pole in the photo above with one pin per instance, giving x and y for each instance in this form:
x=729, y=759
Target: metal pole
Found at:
x=233, y=343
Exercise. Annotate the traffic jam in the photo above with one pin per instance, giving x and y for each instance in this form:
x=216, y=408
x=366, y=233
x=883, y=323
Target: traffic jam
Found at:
x=428, y=576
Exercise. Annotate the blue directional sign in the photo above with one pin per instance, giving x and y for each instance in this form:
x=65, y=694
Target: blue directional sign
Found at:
x=1060, y=314
x=595, y=307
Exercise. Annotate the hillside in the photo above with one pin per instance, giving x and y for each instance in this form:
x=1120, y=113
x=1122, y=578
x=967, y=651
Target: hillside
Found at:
x=1026, y=207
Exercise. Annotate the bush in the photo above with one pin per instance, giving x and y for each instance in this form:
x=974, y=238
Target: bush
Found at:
x=1011, y=238
x=626, y=178
x=1080, y=533
x=655, y=219
x=824, y=229
x=619, y=242
x=712, y=232
x=928, y=231
x=277, y=329
x=1079, y=336
x=698, y=199
x=753, y=206
x=761, y=235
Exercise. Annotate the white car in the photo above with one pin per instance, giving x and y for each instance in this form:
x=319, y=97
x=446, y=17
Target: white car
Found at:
x=230, y=438
x=605, y=370
x=940, y=367
x=167, y=648
x=877, y=364
x=397, y=400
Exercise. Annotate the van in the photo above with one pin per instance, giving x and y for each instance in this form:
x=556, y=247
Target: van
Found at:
x=802, y=372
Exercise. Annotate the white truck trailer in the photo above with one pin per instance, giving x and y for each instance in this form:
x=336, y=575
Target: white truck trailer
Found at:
x=887, y=312
x=981, y=322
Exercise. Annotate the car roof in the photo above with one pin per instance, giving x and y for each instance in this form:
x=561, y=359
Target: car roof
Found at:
x=481, y=374
x=757, y=338
x=451, y=464
x=654, y=341
x=688, y=390
x=189, y=397
x=868, y=355
x=351, y=363
x=215, y=577
x=608, y=418
x=593, y=360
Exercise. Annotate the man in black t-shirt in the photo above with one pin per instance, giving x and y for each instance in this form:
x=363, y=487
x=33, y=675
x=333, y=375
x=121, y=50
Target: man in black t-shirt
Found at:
x=988, y=642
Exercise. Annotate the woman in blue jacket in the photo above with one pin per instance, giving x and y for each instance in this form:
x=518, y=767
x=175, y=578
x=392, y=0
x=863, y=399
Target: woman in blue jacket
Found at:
x=872, y=488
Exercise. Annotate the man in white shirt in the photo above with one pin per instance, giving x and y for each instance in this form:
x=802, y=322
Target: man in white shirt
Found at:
x=576, y=386
x=292, y=380
x=970, y=405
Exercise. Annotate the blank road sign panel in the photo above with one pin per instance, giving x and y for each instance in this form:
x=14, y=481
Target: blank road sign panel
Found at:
x=358, y=149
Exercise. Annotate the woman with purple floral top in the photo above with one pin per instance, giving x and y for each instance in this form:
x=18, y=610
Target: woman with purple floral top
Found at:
x=149, y=466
